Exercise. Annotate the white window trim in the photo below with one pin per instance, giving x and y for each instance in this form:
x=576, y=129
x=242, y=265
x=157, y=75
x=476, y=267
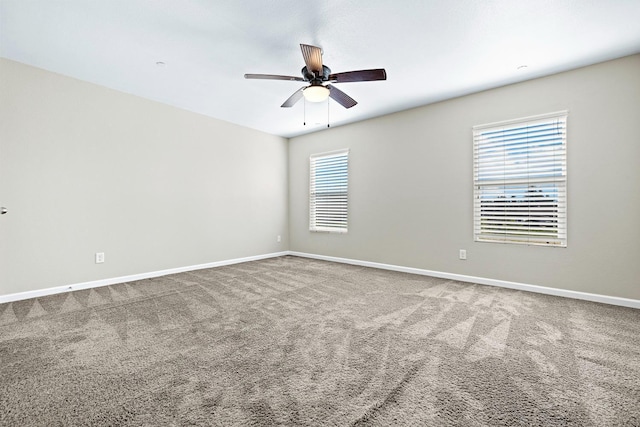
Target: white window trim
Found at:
x=313, y=222
x=483, y=187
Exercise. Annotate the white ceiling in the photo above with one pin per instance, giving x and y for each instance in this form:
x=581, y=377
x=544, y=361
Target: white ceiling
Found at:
x=432, y=49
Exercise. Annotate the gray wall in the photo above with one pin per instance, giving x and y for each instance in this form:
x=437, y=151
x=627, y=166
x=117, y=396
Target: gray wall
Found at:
x=411, y=184
x=85, y=169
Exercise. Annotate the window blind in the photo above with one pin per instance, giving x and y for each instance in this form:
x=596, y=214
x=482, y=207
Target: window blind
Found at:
x=520, y=181
x=328, y=194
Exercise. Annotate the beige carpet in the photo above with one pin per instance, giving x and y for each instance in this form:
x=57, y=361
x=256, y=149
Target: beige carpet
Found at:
x=292, y=341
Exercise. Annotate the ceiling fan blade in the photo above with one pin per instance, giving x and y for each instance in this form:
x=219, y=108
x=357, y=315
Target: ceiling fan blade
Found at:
x=290, y=102
x=272, y=77
x=359, y=76
x=340, y=97
x=312, y=58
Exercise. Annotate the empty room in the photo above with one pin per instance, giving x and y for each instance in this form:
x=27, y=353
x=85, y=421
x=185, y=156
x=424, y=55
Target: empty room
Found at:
x=329, y=213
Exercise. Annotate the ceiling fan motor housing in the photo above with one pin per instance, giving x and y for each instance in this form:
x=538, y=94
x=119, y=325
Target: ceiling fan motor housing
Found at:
x=312, y=77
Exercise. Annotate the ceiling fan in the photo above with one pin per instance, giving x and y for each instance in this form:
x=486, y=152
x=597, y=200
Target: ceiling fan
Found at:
x=316, y=73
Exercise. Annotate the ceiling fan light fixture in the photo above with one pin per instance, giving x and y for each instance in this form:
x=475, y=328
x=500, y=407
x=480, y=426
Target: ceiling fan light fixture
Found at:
x=316, y=93
x=316, y=74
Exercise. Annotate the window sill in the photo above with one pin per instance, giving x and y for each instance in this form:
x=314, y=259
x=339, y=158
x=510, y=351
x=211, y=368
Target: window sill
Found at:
x=328, y=230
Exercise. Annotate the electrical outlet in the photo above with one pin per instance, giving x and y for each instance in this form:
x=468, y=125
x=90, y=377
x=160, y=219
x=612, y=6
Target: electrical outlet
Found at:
x=279, y=239
x=463, y=254
x=99, y=257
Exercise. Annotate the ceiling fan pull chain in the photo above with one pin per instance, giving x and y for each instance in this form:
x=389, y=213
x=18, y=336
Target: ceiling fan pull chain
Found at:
x=304, y=118
x=328, y=112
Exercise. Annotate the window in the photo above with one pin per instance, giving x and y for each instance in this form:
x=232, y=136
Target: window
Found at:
x=328, y=191
x=520, y=181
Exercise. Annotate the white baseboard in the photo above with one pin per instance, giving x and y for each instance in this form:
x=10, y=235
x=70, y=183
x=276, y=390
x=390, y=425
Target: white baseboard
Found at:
x=624, y=302
x=122, y=279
